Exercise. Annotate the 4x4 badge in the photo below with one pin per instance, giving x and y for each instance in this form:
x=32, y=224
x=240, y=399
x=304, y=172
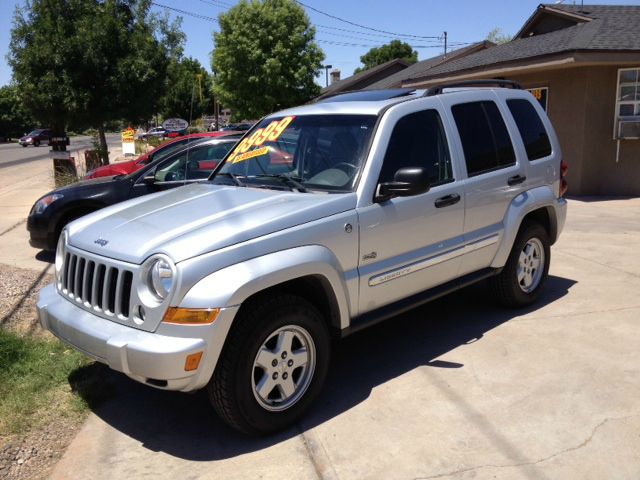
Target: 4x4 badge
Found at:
x=101, y=241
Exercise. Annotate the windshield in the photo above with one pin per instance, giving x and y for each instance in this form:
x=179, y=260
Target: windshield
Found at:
x=36, y=132
x=317, y=152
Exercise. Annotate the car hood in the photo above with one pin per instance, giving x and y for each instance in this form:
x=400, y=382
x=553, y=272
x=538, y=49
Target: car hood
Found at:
x=196, y=219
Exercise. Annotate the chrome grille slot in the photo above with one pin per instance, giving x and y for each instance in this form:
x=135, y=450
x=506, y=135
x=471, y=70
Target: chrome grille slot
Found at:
x=100, y=284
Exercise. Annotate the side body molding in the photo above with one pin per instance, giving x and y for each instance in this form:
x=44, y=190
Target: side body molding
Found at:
x=521, y=205
x=232, y=285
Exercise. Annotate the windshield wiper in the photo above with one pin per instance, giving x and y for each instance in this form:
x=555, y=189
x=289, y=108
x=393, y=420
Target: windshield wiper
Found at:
x=233, y=178
x=287, y=180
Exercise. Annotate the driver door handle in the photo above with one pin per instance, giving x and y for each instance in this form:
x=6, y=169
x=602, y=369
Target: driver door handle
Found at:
x=447, y=200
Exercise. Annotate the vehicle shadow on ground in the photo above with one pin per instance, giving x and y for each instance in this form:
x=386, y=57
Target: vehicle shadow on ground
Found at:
x=185, y=425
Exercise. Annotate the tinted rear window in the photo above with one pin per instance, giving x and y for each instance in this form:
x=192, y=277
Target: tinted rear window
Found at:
x=484, y=136
x=534, y=136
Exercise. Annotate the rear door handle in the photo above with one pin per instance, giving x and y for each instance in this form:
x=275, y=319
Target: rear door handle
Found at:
x=447, y=200
x=516, y=180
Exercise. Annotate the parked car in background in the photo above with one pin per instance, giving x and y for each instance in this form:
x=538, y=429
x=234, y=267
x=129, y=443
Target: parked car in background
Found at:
x=192, y=163
x=158, y=132
x=161, y=151
x=36, y=137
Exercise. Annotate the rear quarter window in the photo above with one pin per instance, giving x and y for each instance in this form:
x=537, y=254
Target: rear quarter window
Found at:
x=534, y=135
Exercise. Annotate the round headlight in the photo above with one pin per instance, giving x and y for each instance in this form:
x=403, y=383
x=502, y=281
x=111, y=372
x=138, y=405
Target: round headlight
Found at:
x=60, y=253
x=161, y=278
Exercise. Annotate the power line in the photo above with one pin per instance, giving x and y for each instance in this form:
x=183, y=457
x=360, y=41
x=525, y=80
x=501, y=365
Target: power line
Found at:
x=321, y=29
x=362, y=26
x=184, y=12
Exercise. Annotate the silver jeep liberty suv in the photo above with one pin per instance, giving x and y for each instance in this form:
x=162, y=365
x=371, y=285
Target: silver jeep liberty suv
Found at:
x=324, y=219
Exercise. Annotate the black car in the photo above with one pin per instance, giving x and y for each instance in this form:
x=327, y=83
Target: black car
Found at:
x=57, y=208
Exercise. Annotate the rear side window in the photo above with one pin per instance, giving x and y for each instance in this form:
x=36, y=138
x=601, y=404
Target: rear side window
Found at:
x=534, y=136
x=484, y=136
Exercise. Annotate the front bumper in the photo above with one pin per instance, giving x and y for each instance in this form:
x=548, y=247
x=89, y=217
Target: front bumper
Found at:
x=39, y=234
x=155, y=359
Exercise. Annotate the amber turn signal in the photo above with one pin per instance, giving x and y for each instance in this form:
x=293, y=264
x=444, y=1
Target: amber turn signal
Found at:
x=190, y=316
x=192, y=362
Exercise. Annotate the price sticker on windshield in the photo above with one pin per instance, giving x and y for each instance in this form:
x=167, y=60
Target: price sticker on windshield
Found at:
x=270, y=133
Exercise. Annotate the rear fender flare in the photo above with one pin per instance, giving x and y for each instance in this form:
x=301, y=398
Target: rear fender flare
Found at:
x=521, y=205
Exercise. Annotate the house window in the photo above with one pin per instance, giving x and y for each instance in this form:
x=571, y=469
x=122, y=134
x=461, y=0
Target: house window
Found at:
x=541, y=94
x=627, y=97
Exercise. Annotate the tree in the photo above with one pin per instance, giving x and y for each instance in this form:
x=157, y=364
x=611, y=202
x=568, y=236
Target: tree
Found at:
x=189, y=89
x=498, y=37
x=15, y=121
x=265, y=57
x=389, y=51
x=81, y=63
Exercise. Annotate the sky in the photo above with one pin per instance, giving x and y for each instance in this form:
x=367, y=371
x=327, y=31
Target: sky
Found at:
x=465, y=21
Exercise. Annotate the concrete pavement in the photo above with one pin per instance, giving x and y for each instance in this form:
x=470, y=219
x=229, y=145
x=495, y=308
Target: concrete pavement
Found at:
x=25, y=175
x=456, y=389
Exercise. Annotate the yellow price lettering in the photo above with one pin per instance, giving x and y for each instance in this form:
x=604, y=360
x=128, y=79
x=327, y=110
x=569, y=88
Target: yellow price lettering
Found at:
x=282, y=125
x=266, y=132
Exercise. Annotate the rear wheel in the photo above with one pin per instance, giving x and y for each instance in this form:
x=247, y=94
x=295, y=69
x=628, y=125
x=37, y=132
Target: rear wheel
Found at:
x=273, y=364
x=524, y=275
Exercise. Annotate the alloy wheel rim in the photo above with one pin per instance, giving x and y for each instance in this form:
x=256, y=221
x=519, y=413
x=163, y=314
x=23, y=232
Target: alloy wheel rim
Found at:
x=283, y=368
x=530, y=265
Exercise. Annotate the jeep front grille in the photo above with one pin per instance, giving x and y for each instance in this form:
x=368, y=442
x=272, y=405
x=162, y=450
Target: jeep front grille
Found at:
x=97, y=285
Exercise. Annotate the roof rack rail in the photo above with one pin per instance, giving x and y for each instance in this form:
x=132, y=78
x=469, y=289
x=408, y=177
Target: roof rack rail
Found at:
x=437, y=89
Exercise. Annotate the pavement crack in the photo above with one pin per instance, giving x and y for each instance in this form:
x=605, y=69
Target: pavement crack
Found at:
x=12, y=227
x=598, y=263
x=582, y=444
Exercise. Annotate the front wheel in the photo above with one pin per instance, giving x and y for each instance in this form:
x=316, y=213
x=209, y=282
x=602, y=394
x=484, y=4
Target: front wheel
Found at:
x=273, y=364
x=524, y=275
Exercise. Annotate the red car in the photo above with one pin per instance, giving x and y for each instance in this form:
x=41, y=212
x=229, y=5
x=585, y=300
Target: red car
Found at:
x=124, y=168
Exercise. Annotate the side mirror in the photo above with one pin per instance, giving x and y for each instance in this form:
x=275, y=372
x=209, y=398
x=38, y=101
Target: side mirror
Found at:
x=149, y=179
x=407, y=182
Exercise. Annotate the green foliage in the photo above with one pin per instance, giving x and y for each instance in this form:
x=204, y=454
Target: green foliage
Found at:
x=183, y=97
x=80, y=63
x=265, y=57
x=15, y=121
x=498, y=37
x=32, y=374
x=390, y=51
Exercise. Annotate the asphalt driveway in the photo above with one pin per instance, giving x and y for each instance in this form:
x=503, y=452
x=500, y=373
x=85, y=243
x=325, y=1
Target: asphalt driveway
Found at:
x=456, y=389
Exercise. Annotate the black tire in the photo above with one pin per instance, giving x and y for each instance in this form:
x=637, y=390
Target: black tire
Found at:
x=231, y=388
x=508, y=290
x=24, y=145
x=36, y=143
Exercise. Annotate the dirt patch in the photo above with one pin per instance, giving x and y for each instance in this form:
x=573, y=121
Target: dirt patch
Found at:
x=19, y=289
x=33, y=454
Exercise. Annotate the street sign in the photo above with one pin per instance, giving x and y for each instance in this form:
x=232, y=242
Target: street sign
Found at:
x=175, y=124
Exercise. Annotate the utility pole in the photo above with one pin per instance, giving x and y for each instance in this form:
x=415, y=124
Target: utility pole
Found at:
x=326, y=74
x=445, y=44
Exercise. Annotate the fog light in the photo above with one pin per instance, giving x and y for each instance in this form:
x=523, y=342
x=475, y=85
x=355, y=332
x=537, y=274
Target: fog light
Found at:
x=192, y=362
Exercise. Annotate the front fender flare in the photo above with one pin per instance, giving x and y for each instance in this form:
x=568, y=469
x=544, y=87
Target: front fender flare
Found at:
x=232, y=285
